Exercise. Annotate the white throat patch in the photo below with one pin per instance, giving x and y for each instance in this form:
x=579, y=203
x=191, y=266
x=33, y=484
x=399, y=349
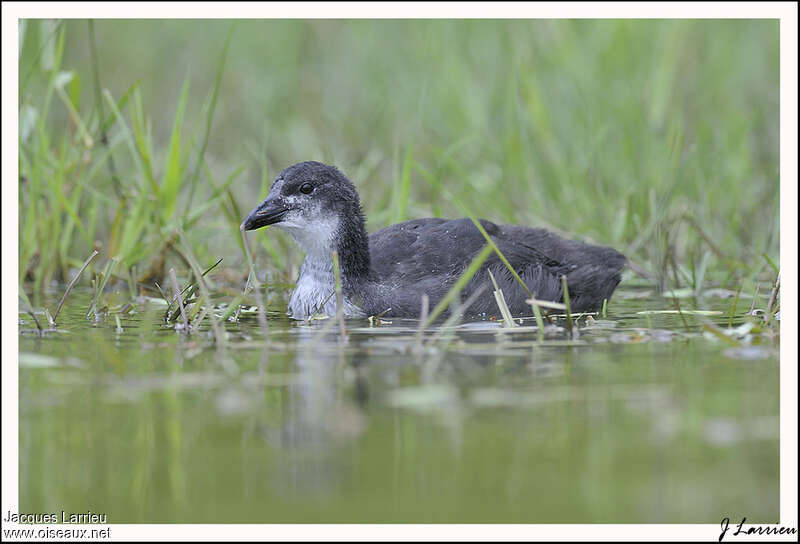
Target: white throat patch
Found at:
x=314, y=238
x=311, y=230
x=315, y=283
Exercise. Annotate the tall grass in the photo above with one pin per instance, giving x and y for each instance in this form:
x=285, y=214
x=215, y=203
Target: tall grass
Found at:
x=72, y=197
x=657, y=137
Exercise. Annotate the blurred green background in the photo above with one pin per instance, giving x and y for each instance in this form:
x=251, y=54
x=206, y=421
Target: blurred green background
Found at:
x=659, y=138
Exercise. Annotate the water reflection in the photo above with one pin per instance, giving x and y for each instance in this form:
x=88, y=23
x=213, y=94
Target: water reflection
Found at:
x=464, y=424
x=322, y=413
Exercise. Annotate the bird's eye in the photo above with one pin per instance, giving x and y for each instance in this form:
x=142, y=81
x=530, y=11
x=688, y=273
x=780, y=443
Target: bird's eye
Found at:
x=306, y=188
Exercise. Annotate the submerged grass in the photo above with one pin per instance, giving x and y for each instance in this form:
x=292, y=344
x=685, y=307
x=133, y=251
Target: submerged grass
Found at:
x=567, y=307
x=72, y=283
x=337, y=276
x=186, y=294
x=100, y=285
x=178, y=296
x=252, y=279
x=508, y=320
x=539, y=321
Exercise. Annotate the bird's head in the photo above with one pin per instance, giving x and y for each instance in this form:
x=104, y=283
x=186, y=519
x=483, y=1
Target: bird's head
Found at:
x=311, y=201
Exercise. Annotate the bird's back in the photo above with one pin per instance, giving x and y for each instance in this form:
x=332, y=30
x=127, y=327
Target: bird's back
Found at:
x=426, y=256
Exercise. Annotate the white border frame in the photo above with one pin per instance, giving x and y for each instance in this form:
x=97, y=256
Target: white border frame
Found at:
x=786, y=12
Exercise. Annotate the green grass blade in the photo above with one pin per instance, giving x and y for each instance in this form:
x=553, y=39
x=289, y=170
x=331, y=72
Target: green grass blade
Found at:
x=459, y=285
x=486, y=236
x=99, y=293
x=173, y=172
x=403, y=188
x=539, y=321
x=143, y=145
x=120, y=105
x=210, y=114
x=568, y=308
x=508, y=319
x=500, y=254
x=771, y=263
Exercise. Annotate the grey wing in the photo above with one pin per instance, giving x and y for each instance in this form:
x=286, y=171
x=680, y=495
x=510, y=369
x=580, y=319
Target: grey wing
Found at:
x=541, y=258
x=426, y=256
x=424, y=248
x=423, y=256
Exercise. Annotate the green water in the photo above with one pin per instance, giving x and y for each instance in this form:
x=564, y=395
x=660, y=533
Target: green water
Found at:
x=640, y=419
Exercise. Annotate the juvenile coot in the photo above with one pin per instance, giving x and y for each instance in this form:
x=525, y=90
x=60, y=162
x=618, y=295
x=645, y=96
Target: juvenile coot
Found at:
x=392, y=268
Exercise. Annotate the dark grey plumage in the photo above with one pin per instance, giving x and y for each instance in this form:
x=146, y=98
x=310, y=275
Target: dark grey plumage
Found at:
x=393, y=267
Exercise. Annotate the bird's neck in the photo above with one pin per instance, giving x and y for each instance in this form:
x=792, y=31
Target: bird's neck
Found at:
x=316, y=279
x=352, y=246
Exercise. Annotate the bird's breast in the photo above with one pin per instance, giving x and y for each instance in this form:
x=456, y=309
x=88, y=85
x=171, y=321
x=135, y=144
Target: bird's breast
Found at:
x=315, y=292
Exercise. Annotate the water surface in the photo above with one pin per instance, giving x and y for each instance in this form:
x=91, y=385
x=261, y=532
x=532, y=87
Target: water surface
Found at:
x=642, y=418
